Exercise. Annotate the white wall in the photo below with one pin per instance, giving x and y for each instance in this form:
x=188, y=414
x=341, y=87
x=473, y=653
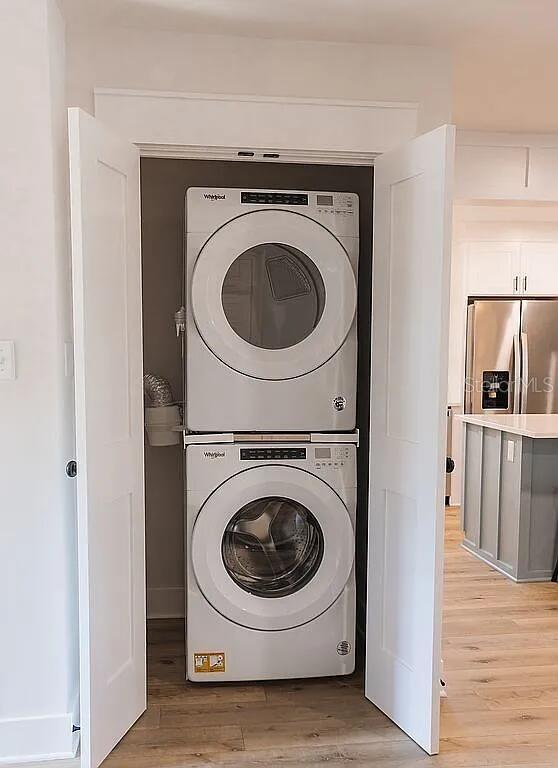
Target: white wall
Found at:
x=508, y=87
x=38, y=644
x=162, y=60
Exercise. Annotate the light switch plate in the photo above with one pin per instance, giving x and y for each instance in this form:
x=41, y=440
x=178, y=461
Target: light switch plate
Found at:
x=511, y=446
x=7, y=361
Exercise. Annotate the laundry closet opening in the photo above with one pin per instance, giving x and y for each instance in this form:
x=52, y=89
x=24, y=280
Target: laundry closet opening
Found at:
x=164, y=185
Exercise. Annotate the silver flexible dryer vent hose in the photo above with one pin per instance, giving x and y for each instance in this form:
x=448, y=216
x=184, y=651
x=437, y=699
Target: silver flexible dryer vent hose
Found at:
x=157, y=389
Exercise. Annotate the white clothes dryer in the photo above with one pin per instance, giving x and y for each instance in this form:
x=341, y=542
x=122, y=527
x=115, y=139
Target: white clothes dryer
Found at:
x=270, y=560
x=271, y=294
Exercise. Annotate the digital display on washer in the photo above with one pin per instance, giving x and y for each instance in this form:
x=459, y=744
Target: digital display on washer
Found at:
x=274, y=198
x=323, y=453
x=265, y=454
x=324, y=199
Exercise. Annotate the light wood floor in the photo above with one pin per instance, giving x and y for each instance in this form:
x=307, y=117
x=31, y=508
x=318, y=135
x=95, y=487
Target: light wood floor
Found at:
x=501, y=666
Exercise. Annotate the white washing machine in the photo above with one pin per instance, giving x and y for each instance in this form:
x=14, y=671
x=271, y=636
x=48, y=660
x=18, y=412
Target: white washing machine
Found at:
x=270, y=560
x=271, y=287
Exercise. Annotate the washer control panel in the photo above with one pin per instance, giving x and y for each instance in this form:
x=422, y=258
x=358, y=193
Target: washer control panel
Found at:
x=278, y=454
x=331, y=456
x=208, y=465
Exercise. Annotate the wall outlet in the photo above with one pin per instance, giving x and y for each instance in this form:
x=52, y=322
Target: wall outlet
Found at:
x=7, y=361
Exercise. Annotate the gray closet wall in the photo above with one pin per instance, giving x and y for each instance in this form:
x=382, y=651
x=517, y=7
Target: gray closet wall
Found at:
x=163, y=187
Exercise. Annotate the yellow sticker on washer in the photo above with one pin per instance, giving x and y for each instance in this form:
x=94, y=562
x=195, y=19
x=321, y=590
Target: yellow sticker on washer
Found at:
x=209, y=662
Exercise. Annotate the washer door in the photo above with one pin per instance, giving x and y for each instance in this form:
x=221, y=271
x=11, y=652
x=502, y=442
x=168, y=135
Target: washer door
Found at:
x=272, y=548
x=273, y=294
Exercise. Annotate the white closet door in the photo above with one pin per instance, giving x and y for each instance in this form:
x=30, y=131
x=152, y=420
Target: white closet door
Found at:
x=106, y=266
x=412, y=237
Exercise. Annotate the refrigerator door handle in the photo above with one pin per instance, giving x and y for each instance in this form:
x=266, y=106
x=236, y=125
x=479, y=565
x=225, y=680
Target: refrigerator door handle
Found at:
x=524, y=371
x=516, y=374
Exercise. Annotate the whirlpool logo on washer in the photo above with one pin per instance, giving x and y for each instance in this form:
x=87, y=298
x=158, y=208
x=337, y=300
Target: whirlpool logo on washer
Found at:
x=214, y=196
x=214, y=454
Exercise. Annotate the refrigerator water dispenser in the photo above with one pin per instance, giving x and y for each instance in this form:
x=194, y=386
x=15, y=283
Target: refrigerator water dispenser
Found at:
x=495, y=390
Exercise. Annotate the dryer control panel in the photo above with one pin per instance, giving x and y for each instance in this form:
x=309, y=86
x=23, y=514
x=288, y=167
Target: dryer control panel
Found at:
x=208, y=208
x=267, y=454
x=275, y=198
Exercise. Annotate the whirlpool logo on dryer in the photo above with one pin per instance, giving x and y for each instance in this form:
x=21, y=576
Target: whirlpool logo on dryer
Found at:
x=213, y=196
x=214, y=454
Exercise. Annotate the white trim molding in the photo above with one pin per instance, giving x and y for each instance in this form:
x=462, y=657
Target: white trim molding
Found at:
x=501, y=139
x=32, y=739
x=206, y=125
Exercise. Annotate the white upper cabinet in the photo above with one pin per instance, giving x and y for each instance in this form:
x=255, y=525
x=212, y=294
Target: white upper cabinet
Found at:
x=490, y=172
x=506, y=166
x=543, y=173
x=539, y=269
x=511, y=269
x=492, y=269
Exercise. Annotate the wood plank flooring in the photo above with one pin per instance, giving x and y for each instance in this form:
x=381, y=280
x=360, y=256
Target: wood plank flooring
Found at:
x=501, y=667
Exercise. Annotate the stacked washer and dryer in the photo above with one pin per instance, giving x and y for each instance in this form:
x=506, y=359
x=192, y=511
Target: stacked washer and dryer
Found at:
x=271, y=376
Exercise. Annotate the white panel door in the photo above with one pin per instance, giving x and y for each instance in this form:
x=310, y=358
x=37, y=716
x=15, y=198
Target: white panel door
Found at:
x=539, y=267
x=492, y=269
x=411, y=274
x=105, y=213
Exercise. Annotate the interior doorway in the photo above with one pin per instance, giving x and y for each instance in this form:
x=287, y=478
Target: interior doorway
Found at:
x=412, y=193
x=167, y=726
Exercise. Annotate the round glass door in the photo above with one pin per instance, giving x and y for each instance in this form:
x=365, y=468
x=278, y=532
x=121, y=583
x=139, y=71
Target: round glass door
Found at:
x=273, y=296
x=272, y=547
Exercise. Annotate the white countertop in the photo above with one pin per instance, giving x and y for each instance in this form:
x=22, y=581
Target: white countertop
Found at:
x=536, y=425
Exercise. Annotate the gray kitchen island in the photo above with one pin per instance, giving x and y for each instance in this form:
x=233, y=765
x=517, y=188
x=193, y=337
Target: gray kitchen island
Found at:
x=509, y=510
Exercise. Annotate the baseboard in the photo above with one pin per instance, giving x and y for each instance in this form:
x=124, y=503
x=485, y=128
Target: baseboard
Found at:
x=71, y=762
x=35, y=739
x=165, y=603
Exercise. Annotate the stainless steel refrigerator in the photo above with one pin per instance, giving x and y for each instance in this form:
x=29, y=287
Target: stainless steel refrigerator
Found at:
x=512, y=356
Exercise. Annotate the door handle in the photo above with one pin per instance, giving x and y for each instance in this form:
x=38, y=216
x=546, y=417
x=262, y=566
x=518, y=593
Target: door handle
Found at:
x=524, y=372
x=516, y=373
x=524, y=282
x=516, y=283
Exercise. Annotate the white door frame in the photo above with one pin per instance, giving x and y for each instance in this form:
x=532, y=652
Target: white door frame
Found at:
x=143, y=117
x=217, y=126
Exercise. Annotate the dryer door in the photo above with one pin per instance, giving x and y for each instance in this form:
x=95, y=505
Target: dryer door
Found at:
x=273, y=294
x=272, y=548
